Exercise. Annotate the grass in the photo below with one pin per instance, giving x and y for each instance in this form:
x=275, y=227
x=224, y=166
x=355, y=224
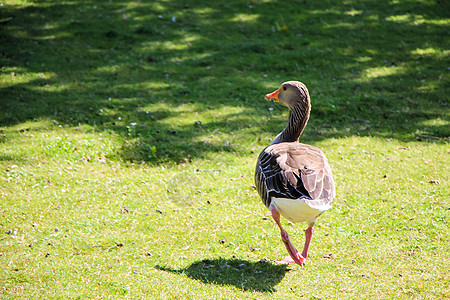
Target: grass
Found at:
x=129, y=131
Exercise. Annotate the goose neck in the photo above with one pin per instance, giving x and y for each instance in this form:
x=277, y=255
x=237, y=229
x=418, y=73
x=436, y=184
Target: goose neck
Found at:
x=298, y=117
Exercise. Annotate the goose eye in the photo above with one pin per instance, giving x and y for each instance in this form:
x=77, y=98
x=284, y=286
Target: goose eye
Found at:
x=284, y=88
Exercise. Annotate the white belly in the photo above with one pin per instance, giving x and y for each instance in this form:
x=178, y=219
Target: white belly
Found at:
x=296, y=210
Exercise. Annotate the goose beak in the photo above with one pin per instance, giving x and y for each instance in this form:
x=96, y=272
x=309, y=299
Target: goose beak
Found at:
x=273, y=96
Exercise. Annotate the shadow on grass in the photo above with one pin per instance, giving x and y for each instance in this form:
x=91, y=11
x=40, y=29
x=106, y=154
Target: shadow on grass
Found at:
x=248, y=276
x=107, y=64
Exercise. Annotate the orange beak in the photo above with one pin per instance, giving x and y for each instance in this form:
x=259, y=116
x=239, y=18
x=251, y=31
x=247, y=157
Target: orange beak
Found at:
x=273, y=96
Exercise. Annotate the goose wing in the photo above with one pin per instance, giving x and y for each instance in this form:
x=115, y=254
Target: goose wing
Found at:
x=292, y=171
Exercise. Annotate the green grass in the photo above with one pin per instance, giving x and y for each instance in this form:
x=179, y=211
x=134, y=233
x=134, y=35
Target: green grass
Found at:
x=129, y=131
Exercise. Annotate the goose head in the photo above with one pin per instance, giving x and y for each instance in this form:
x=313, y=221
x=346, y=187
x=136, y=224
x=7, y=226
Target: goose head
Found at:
x=291, y=94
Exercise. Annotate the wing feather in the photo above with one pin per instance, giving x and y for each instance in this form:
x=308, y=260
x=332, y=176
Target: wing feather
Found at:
x=295, y=170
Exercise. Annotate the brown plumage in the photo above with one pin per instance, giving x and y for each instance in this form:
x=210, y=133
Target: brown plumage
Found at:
x=294, y=179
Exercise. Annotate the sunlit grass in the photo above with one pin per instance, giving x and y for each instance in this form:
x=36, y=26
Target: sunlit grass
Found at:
x=129, y=133
x=382, y=72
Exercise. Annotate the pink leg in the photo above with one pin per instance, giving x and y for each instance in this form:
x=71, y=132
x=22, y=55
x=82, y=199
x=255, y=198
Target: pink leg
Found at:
x=308, y=236
x=293, y=253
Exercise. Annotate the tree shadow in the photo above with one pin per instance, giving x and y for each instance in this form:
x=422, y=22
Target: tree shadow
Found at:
x=107, y=64
x=248, y=276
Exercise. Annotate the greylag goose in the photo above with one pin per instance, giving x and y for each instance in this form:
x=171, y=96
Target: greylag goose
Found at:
x=293, y=179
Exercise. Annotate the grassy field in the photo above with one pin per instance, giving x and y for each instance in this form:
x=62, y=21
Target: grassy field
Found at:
x=129, y=131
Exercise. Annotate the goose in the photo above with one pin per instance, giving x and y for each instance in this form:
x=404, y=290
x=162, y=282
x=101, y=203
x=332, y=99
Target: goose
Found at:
x=294, y=180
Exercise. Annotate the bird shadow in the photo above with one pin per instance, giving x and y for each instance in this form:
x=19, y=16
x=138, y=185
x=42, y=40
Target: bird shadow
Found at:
x=261, y=276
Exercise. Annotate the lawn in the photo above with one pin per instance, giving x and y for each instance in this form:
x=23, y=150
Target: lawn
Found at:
x=129, y=132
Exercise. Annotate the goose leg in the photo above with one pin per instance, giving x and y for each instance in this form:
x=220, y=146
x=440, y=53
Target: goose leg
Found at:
x=308, y=236
x=294, y=256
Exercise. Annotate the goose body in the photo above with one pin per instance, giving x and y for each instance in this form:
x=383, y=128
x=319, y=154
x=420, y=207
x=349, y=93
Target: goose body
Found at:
x=294, y=180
